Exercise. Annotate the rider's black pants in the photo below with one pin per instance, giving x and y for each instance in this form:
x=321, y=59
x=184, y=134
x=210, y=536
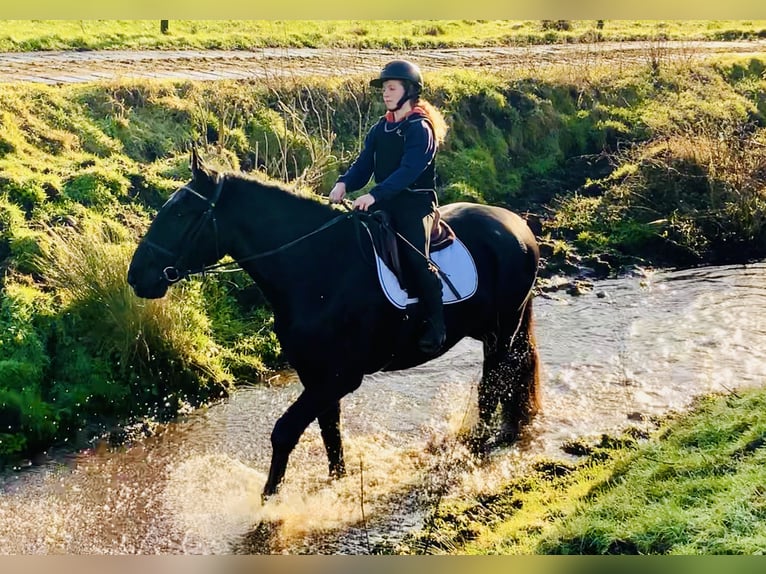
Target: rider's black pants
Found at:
x=412, y=214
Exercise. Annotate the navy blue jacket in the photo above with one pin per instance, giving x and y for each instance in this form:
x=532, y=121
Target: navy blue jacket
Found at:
x=399, y=154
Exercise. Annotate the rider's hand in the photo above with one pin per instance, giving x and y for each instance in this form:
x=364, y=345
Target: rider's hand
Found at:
x=363, y=202
x=338, y=192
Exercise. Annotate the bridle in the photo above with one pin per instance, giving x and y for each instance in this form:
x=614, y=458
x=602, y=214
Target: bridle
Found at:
x=173, y=274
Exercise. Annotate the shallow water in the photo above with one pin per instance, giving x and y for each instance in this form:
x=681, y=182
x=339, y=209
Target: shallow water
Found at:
x=631, y=349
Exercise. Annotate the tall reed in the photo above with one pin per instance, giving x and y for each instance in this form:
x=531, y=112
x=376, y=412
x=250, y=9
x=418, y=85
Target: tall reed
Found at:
x=155, y=345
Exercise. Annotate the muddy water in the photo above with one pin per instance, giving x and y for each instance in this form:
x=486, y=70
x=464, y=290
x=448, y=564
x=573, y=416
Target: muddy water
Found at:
x=632, y=348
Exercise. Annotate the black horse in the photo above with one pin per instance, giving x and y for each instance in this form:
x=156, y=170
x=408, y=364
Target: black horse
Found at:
x=330, y=315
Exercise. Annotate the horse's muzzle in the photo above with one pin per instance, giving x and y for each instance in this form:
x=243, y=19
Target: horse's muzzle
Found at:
x=154, y=290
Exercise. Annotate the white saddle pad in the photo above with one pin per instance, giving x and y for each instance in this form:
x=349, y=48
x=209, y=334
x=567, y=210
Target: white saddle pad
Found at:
x=455, y=261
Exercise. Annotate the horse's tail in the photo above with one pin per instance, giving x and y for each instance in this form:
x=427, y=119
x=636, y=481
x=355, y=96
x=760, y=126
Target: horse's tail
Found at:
x=524, y=349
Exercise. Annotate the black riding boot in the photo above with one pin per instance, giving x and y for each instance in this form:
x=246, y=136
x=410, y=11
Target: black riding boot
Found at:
x=432, y=339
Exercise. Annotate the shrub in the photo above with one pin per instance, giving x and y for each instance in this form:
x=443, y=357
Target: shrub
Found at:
x=28, y=193
x=25, y=246
x=475, y=167
x=460, y=191
x=560, y=25
x=23, y=356
x=26, y=421
x=96, y=187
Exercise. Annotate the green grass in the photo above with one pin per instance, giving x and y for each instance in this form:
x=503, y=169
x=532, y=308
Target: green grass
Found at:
x=29, y=35
x=698, y=490
x=697, y=486
x=110, y=355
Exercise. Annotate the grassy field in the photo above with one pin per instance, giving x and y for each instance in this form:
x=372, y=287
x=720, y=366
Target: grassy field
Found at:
x=29, y=35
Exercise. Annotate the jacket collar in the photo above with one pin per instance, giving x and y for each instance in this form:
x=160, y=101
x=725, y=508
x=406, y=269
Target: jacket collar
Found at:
x=416, y=110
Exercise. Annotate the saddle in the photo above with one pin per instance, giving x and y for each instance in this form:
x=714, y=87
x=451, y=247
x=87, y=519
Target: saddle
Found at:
x=384, y=239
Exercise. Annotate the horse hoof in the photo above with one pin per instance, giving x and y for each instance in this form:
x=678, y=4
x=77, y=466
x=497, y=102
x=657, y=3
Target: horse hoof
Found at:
x=478, y=446
x=508, y=435
x=268, y=494
x=337, y=472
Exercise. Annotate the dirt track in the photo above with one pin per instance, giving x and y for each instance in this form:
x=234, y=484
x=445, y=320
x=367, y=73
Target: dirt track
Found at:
x=72, y=67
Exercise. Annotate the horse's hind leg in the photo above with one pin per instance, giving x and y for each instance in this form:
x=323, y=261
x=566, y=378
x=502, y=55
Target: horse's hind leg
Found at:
x=510, y=378
x=520, y=398
x=329, y=423
x=489, y=392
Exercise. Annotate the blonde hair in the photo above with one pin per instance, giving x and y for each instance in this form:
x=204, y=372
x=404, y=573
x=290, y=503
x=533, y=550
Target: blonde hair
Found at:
x=436, y=118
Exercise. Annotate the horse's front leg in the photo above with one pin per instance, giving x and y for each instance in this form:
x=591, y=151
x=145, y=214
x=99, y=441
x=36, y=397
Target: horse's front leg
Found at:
x=287, y=431
x=285, y=435
x=329, y=423
x=277, y=469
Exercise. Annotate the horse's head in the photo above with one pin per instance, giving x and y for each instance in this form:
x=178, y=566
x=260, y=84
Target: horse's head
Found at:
x=183, y=236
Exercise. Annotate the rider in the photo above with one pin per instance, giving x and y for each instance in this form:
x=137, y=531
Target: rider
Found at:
x=399, y=152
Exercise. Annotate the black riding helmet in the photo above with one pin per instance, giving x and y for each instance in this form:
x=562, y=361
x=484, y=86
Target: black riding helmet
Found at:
x=405, y=71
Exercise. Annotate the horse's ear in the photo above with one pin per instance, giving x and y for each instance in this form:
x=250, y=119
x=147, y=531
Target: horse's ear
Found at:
x=198, y=168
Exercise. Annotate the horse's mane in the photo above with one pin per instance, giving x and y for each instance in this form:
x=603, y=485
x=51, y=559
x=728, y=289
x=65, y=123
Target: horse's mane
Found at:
x=258, y=182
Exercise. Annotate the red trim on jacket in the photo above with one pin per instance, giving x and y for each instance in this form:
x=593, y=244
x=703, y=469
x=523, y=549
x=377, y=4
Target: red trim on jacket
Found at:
x=416, y=110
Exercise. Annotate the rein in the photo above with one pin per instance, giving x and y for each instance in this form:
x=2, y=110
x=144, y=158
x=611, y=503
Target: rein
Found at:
x=236, y=265
x=172, y=273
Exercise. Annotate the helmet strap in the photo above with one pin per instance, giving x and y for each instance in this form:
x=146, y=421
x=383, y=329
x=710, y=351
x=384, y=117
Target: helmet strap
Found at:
x=407, y=96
